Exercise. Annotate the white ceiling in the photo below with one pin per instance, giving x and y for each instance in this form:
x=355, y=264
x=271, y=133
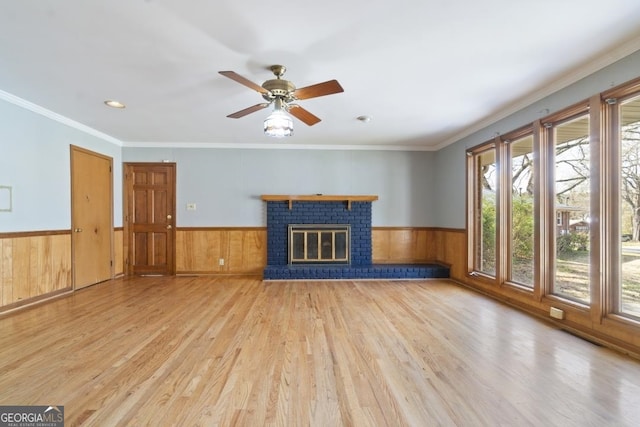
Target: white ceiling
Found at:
x=427, y=71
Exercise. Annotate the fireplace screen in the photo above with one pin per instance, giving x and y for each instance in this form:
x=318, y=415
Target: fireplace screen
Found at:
x=323, y=243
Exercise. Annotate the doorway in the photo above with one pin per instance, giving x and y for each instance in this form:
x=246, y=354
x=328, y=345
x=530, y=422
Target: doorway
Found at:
x=149, y=223
x=91, y=217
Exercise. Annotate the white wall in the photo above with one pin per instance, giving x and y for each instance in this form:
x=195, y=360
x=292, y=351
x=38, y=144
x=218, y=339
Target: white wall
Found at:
x=35, y=162
x=450, y=162
x=226, y=184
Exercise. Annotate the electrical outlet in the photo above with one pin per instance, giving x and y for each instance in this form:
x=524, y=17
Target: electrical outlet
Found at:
x=221, y=261
x=556, y=313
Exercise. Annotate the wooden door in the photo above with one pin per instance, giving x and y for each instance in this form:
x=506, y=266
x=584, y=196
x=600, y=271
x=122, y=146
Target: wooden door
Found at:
x=150, y=218
x=91, y=217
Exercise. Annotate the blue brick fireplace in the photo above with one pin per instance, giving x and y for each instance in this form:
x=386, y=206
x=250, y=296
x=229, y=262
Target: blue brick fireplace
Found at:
x=285, y=210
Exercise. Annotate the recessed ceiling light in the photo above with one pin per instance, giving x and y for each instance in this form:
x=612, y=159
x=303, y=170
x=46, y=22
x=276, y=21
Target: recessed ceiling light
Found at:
x=114, y=104
x=364, y=119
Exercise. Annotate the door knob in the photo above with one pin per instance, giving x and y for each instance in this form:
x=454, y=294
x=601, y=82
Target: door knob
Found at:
x=169, y=227
x=169, y=216
x=77, y=230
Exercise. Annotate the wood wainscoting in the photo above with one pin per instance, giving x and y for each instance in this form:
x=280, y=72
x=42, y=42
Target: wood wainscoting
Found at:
x=221, y=250
x=418, y=245
x=451, y=250
x=402, y=245
x=33, y=265
x=199, y=250
x=36, y=265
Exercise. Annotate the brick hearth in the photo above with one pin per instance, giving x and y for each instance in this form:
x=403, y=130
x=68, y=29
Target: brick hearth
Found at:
x=293, y=210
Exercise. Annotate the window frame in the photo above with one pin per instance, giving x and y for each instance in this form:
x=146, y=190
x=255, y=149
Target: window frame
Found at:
x=507, y=202
x=604, y=308
x=474, y=219
x=548, y=147
x=611, y=101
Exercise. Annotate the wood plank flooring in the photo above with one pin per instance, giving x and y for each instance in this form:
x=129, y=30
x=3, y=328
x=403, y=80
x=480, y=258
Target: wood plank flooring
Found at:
x=207, y=351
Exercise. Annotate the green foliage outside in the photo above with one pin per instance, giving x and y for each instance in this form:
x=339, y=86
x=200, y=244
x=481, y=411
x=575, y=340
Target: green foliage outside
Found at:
x=522, y=235
x=522, y=227
x=572, y=242
x=489, y=220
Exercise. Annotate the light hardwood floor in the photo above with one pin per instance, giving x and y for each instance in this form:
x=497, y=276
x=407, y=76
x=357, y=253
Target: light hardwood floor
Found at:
x=238, y=351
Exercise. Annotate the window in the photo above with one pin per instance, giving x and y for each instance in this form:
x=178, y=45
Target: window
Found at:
x=627, y=292
x=553, y=216
x=572, y=202
x=484, y=201
x=521, y=211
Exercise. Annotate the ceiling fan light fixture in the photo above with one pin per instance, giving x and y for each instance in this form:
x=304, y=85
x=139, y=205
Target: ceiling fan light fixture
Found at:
x=278, y=124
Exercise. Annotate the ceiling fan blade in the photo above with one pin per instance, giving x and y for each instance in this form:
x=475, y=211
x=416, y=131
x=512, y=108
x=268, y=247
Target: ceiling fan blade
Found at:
x=243, y=81
x=249, y=110
x=303, y=115
x=320, y=89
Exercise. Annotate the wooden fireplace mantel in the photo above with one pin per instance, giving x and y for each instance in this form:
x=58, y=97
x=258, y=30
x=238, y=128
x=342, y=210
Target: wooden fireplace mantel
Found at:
x=318, y=198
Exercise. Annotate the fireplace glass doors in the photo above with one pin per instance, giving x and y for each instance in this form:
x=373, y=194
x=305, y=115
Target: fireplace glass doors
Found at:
x=319, y=243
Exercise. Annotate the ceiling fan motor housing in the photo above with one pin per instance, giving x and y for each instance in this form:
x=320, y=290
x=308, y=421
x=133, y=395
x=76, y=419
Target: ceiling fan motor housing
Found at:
x=278, y=87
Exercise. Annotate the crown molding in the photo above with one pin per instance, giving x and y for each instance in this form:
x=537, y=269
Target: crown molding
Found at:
x=27, y=105
x=275, y=146
x=575, y=75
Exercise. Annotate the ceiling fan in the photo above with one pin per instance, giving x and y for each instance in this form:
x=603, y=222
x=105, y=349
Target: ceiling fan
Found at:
x=283, y=94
